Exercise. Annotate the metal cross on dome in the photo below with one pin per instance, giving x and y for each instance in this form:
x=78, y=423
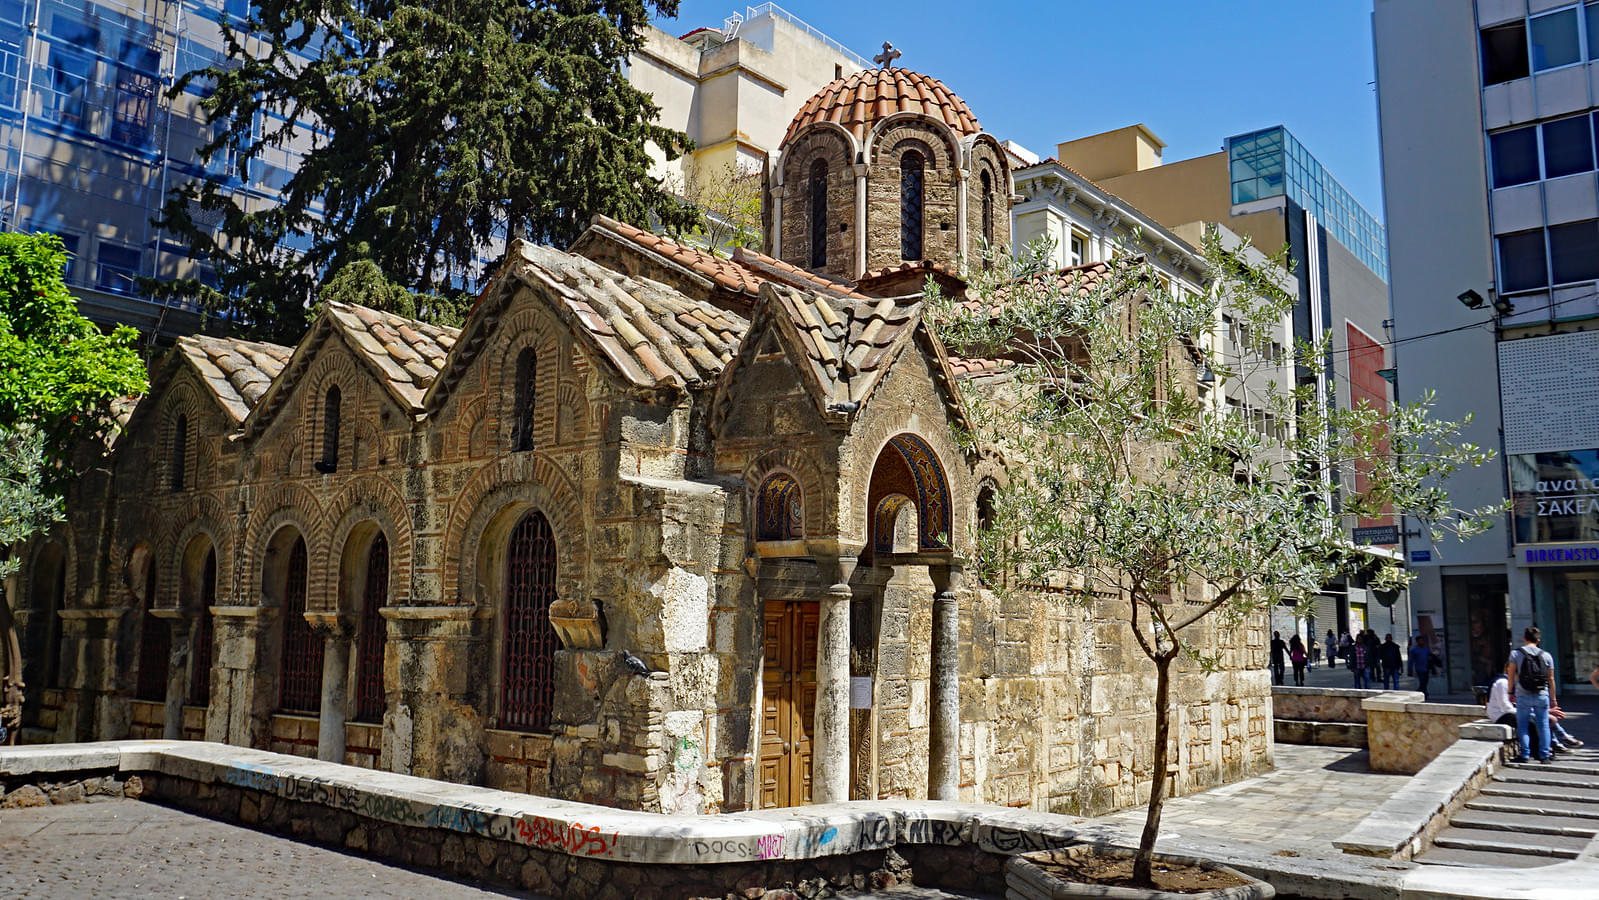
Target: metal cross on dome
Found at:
x=887, y=57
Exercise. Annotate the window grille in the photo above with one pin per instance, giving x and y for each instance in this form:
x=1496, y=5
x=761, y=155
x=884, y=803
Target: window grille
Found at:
x=988, y=209
x=527, y=683
x=910, y=205
x=819, y=214
x=180, y=451
x=527, y=364
x=779, y=510
x=369, y=699
x=200, y=686
x=300, y=680
x=330, y=432
x=155, y=647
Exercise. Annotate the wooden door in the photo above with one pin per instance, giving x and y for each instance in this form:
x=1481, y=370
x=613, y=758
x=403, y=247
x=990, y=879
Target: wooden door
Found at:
x=788, y=702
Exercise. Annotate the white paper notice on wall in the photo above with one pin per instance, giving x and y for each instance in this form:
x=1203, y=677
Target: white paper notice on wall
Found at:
x=860, y=692
x=1544, y=388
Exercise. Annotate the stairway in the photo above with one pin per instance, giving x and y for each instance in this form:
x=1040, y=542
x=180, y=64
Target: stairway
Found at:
x=1531, y=814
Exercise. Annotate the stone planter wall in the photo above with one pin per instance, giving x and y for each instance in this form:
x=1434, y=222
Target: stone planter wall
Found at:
x=1405, y=734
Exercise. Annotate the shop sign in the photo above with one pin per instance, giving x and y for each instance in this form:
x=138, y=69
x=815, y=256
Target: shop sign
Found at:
x=1555, y=496
x=1554, y=556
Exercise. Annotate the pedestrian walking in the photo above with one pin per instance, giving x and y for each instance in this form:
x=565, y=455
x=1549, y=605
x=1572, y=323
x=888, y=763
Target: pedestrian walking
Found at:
x=1315, y=651
x=1532, y=689
x=1393, y=662
x=1278, y=648
x=1421, y=664
x=1297, y=656
x=1332, y=649
x=1357, y=663
x=1345, y=644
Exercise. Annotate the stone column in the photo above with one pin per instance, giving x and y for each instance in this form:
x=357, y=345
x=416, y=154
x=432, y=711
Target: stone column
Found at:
x=177, y=671
x=94, y=705
x=336, y=632
x=243, y=677
x=860, y=218
x=435, y=727
x=961, y=231
x=830, y=737
x=943, y=766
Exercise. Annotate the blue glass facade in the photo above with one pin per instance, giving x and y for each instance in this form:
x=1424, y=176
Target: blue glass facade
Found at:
x=1271, y=163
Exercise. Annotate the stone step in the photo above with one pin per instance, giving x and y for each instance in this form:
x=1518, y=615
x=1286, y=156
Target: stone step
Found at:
x=1539, y=774
x=1563, y=763
x=1571, y=809
x=1540, y=791
x=1509, y=842
x=1443, y=856
x=1525, y=822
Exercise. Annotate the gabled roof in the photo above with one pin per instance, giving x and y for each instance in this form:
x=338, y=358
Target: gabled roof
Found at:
x=237, y=372
x=653, y=336
x=405, y=356
x=743, y=274
x=843, y=346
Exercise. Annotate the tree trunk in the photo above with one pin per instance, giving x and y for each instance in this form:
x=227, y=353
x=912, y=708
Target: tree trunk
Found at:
x=1143, y=863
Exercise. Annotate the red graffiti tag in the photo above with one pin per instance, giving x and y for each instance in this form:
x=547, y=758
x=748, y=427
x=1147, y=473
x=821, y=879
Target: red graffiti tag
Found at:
x=574, y=838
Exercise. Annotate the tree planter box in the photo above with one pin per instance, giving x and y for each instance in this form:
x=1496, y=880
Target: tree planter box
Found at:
x=1025, y=880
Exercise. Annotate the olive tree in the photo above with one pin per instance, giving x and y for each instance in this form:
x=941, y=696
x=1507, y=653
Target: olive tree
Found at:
x=1130, y=476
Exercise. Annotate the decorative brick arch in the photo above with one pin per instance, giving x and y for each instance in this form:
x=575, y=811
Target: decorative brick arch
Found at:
x=804, y=470
x=510, y=483
x=181, y=400
x=572, y=414
x=884, y=143
x=368, y=501
x=203, y=514
x=869, y=445
x=285, y=504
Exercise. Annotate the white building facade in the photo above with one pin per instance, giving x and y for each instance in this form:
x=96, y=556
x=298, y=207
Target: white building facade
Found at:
x=1487, y=113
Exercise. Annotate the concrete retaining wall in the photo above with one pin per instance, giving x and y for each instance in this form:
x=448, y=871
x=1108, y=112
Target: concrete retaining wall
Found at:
x=1405, y=733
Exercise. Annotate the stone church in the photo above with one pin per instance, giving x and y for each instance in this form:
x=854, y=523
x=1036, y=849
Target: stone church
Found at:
x=658, y=528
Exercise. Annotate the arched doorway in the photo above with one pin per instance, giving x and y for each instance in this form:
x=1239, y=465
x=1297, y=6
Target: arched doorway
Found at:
x=372, y=634
x=527, y=639
x=300, y=651
x=41, y=637
x=204, y=637
x=155, y=644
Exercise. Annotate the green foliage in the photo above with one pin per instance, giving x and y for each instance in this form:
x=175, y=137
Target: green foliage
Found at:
x=1130, y=480
x=362, y=282
x=441, y=125
x=25, y=506
x=727, y=207
x=61, y=372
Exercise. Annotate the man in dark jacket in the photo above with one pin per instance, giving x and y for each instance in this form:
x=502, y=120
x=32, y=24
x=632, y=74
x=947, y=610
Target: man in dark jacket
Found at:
x=1393, y=662
x=1278, y=648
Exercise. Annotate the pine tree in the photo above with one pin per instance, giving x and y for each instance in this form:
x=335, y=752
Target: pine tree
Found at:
x=439, y=127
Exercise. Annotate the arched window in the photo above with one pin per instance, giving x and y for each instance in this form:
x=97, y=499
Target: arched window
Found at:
x=42, y=669
x=527, y=365
x=180, y=451
x=155, y=646
x=819, y=214
x=200, y=680
x=330, y=432
x=527, y=682
x=988, y=209
x=300, y=678
x=373, y=634
x=910, y=205
x=779, y=510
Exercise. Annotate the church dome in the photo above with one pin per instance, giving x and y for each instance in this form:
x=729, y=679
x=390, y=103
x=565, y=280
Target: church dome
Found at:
x=861, y=100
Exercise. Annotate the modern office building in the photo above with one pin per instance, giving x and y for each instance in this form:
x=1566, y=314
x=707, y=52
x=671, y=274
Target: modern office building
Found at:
x=1487, y=112
x=1264, y=185
x=734, y=89
x=90, y=143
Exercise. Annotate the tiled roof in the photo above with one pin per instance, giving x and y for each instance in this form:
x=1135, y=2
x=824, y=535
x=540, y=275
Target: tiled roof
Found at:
x=407, y=353
x=724, y=272
x=237, y=372
x=964, y=367
x=777, y=270
x=871, y=95
x=848, y=342
x=653, y=335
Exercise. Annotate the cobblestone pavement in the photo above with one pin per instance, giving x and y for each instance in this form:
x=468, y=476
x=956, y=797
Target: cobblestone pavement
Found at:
x=129, y=849
x=1315, y=795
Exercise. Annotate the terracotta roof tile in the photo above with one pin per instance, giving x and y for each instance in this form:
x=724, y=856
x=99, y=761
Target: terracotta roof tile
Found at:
x=973, y=367
x=846, y=340
x=865, y=97
x=774, y=269
x=407, y=353
x=724, y=272
x=237, y=372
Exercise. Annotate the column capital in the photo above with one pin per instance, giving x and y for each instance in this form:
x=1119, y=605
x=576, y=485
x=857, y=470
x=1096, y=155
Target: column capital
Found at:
x=946, y=579
x=331, y=624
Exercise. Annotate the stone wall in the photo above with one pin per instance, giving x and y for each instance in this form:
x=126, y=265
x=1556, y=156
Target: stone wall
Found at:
x=1307, y=704
x=1405, y=733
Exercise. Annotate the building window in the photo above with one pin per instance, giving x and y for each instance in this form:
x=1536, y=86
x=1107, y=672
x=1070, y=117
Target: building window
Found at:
x=136, y=86
x=180, y=451
x=988, y=209
x=200, y=685
x=329, y=463
x=373, y=636
x=1515, y=156
x=1078, y=253
x=525, y=397
x=155, y=647
x=779, y=510
x=300, y=681
x=1504, y=53
x=527, y=681
x=1591, y=26
x=1567, y=147
x=1521, y=262
x=911, y=167
x=1554, y=40
x=118, y=267
x=1574, y=252
x=819, y=214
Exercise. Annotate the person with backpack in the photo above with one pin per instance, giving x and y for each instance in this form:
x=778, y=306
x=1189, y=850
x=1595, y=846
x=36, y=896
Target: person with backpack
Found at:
x=1531, y=675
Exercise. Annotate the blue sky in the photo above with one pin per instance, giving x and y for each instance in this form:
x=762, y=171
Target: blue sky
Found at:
x=1195, y=71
